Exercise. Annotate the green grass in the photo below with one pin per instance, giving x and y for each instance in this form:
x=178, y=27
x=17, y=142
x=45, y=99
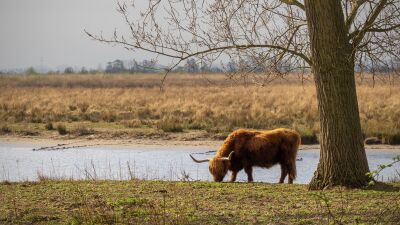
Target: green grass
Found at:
x=159, y=202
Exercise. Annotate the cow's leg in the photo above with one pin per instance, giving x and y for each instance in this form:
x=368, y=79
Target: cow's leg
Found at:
x=292, y=172
x=233, y=176
x=249, y=172
x=284, y=172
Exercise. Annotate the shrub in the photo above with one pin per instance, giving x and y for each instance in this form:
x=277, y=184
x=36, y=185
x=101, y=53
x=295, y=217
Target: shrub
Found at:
x=109, y=117
x=72, y=107
x=393, y=139
x=81, y=130
x=131, y=123
x=83, y=106
x=308, y=136
x=196, y=126
x=170, y=126
x=62, y=130
x=49, y=126
x=5, y=129
x=308, y=139
x=93, y=116
x=31, y=71
x=28, y=132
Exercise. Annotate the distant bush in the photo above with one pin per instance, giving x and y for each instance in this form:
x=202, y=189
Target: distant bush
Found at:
x=62, y=130
x=49, y=126
x=389, y=137
x=169, y=125
x=109, y=116
x=196, y=125
x=309, y=139
x=83, y=106
x=82, y=130
x=93, y=116
x=5, y=129
x=28, y=132
x=72, y=107
x=131, y=123
x=392, y=139
x=31, y=71
x=69, y=70
x=308, y=136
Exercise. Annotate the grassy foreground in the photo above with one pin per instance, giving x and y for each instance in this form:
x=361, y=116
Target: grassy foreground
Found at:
x=159, y=202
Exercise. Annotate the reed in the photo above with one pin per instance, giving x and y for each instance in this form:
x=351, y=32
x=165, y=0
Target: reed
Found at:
x=187, y=103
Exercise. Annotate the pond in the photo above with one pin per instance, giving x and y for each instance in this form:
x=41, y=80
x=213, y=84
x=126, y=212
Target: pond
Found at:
x=18, y=162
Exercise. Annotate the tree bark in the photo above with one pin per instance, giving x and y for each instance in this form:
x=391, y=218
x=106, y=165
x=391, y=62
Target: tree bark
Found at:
x=342, y=160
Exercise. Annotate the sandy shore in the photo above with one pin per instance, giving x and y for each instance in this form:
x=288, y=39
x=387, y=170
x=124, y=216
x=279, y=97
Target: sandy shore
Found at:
x=44, y=142
x=37, y=141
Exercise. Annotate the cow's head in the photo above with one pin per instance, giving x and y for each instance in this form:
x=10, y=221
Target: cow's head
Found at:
x=218, y=166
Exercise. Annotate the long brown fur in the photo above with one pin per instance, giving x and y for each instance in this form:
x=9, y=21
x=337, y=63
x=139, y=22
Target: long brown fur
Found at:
x=257, y=148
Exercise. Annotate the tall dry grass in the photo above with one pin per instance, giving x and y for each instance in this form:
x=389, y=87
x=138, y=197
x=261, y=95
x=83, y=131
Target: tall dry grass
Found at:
x=190, y=104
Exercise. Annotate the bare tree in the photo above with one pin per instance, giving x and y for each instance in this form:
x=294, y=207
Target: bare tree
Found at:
x=329, y=37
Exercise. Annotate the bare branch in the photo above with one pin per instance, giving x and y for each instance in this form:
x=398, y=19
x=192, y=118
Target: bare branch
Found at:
x=267, y=35
x=358, y=35
x=355, y=6
x=386, y=29
x=216, y=49
x=293, y=2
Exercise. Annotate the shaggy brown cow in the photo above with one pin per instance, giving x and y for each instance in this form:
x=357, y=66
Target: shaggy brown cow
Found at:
x=248, y=148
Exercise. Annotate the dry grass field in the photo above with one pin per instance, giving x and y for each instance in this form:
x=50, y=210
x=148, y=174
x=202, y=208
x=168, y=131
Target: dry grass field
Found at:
x=88, y=104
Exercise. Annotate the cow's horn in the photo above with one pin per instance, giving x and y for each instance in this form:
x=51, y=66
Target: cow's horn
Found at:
x=227, y=158
x=198, y=161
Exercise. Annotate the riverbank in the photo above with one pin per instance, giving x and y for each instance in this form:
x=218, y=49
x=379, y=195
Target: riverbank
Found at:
x=38, y=142
x=91, y=141
x=161, y=202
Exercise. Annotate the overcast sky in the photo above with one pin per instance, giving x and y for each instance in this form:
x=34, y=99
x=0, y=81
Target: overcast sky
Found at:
x=51, y=32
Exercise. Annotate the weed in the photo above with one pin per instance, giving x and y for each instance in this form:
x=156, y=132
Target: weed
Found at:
x=129, y=202
x=131, y=172
x=83, y=106
x=394, y=138
x=325, y=202
x=41, y=177
x=49, y=126
x=132, y=123
x=373, y=174
x=308, y=136
x=62, y=129
x=82, y=130
x=5, y=129
x=5, y=182
x=170, y=125
x=72, y=107
x=28, y=132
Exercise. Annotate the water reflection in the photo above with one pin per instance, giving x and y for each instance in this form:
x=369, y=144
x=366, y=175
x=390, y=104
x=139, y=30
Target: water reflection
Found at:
x=19, y=163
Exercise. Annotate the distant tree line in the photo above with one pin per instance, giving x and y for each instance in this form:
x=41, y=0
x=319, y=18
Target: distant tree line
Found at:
x=146, y=66
x=192, y=66
x=151, y=66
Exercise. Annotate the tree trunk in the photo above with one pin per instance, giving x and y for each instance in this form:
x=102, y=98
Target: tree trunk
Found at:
x=343, y=160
